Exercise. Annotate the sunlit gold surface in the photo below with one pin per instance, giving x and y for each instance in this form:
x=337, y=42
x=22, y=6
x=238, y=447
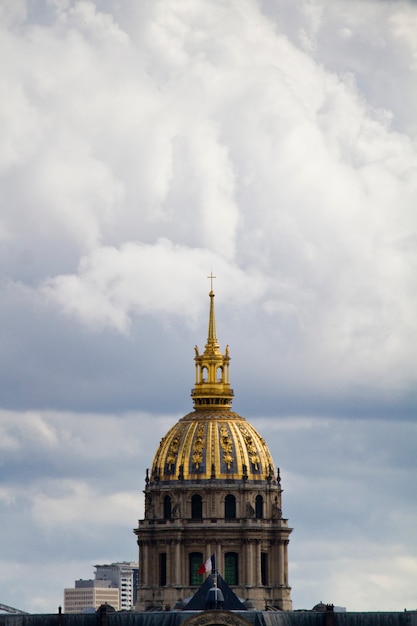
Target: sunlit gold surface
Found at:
x=212, y=445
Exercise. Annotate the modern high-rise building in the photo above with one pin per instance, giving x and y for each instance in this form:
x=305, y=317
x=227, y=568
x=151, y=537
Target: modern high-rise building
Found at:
x=213, y=490
x=115, y=584
x=90, y=595
x=123, y=575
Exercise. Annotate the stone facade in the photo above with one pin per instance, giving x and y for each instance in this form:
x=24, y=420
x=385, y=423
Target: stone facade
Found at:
x=167, y=545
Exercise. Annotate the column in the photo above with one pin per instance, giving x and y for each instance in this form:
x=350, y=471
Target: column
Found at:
x=285, y=579
x=169, y=560
x=249, y=562
x=177, y=562
x=258, y=563
x=145, y=564
x=281, y=563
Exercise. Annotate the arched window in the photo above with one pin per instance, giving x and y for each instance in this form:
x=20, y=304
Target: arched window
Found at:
x=196, y=507
x=167, y=507
x=204, y=374
x=231, y=561
x=195, y=560
x=162, y=569
x=219, y=374
x=259, y=507
x=230, y=507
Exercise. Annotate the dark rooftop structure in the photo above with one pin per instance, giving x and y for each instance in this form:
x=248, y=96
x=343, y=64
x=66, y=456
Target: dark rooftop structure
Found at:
x=216, y=618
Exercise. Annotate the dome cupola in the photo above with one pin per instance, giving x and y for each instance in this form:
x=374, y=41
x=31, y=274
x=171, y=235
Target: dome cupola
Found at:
x=212, y=442
x=212, y=383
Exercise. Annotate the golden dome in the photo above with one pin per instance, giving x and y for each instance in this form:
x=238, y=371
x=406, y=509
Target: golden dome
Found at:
x=212, y=442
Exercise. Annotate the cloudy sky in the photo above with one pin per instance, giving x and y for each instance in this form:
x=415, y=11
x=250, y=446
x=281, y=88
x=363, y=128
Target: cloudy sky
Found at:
x=144, y=144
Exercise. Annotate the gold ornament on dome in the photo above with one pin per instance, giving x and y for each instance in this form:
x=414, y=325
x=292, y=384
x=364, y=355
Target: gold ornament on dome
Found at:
x=199, y=443
x=226, y=445
x=173, y=449
x=250, y=446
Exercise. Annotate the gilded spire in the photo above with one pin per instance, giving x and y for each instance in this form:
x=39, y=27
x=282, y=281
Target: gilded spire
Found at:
x=212, y=321
x=212, y=347
x=212, y=337
x=212, y=385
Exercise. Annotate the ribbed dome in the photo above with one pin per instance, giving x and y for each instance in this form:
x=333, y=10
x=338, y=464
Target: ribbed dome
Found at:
x=212, y=444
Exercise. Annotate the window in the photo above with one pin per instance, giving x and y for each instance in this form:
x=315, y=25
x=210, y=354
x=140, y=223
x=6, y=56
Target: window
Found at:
x=231, y=568
x=219, y=374
x=259, y=507
x=167, y=507
x=264, y=568
x=162, y=569
x=230, y=507
x=196, y=507
x=195, y=560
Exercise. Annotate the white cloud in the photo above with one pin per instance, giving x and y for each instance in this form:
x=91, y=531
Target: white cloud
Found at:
x=358, y=584
x=32, y=428
x=63, y=503
x=6, y=496
x=112, y=284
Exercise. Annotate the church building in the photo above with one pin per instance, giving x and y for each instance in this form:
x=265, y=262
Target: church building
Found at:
x=213, y=491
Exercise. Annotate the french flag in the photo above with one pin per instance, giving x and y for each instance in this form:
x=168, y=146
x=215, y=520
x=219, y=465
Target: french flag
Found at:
x=207, y=566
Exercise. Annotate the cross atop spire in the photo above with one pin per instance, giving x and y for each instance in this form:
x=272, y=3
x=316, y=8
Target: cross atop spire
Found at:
x=211, y=280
